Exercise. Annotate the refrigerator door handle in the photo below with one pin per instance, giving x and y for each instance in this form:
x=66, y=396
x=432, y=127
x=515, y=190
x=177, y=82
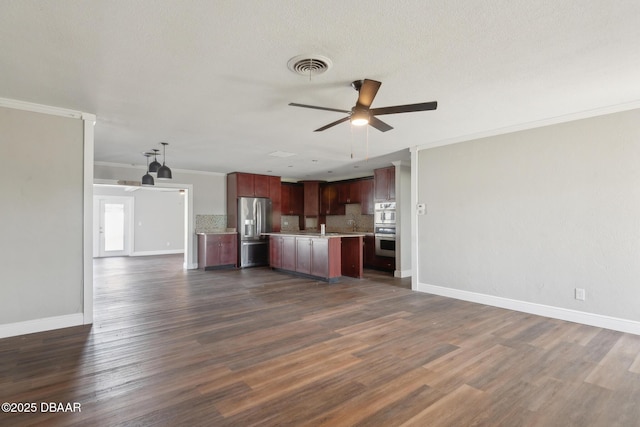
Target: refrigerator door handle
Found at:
x=258, y=211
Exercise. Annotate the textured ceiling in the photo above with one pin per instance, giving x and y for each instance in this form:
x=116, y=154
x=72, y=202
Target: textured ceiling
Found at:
x=211, y=77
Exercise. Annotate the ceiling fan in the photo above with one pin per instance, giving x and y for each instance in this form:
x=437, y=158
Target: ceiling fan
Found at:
x=361, y=114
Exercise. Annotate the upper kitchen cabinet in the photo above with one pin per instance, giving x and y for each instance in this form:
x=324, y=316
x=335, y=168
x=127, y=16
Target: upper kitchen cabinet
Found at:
x=240, y=184
x=311, y=198
x=366, y=196
x=275, y=194
x=384, y=183
x=329, y=200
x=292, y=198
x=250, y=185
x=349, y=192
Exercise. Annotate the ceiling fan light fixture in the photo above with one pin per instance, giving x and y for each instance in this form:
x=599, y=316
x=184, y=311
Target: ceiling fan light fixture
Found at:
x=359, y=117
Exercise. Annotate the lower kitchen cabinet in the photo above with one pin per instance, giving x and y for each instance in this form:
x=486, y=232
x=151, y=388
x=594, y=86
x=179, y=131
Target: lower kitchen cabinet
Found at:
x=275, y=252
x=352, y=256
x=371, y=260
x=217, y=250
x=314, y=255
x=310, y=256
x=289, y=253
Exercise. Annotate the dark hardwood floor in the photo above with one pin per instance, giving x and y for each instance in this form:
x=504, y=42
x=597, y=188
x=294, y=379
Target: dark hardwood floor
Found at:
x=256, y=347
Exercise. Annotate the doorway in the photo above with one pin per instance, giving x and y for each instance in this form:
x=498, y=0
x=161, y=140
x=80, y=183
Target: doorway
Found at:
x=112, y=226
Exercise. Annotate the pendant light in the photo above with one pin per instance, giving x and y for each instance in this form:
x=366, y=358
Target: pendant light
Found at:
x=147, y=179
x=155, y=165
x=164, y=172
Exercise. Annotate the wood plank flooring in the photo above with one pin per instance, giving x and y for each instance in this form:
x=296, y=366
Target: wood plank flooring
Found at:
x=255, y=347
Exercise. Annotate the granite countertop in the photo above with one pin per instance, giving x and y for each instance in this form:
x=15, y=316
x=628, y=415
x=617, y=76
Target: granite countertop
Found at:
x=317, y=234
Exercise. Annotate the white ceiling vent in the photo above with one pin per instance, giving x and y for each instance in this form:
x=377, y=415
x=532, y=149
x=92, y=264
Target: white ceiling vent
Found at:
x=309, y=65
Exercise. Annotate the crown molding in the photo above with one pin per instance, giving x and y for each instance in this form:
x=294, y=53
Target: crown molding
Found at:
x=611, y=109
x=46, y=109
x=143, y=167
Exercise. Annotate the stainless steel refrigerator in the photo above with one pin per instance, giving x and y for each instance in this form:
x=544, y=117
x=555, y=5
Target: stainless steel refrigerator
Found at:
x=254, y=218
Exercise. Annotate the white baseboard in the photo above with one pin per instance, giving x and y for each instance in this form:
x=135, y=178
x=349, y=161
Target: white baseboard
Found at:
x=402, y=273
x=190, y=266
x=591, y=319
x=41, y=325
x=151, y=253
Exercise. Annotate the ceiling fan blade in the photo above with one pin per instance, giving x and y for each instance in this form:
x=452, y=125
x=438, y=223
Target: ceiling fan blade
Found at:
x=379, y=124
x=293, y=104
x=424, y=106
x=332, y=124
x=368, y=91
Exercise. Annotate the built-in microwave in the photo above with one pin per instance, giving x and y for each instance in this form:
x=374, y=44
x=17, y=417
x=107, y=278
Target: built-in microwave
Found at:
x=385, y=213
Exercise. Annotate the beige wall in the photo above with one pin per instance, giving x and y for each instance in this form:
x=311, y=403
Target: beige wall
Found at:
x=41, y=249
x=532, y=215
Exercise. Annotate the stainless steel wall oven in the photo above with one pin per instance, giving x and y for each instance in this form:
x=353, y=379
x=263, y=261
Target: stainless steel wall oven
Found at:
x=385, y=228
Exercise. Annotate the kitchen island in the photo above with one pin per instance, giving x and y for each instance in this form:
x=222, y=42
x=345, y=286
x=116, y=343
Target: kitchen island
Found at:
x=327, y=257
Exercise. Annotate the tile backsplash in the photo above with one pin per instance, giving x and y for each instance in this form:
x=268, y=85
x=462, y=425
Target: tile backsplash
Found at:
x=353, y=218
x=210, y=223
x=290, y=223
x=335, y=223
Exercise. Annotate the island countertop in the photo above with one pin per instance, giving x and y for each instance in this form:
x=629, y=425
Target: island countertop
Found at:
x=214, y=233
x=317, y=234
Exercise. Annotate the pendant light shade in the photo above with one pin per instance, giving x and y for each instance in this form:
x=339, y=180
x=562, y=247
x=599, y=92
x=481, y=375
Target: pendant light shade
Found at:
x=164, y=172
x=155, y=165
x=147, y=179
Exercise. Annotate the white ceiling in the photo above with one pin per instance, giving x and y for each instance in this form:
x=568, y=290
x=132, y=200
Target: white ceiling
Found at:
x=211, y=77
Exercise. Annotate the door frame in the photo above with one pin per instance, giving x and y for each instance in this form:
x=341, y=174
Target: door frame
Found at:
x=190, y=242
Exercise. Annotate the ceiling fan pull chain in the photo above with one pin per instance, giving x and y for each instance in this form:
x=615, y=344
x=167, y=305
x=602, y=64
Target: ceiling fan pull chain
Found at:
x=367, y=155
x=351, y=127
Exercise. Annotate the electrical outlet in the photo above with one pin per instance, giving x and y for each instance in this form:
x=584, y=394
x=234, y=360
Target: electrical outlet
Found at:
x=580, y=294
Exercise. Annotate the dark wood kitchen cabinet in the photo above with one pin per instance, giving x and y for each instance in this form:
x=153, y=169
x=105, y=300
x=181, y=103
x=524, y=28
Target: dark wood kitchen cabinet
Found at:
x=320, y=257
x=275, y=252
x=240, y=184
x=289, y=253
x=366, y=196
x=275, y=194
x=282, y=252
x=313, y=255
x=325, y=258
x=349, y=192
x=384, y=183
x=329, y=201
x=292, y=198
x=217, y=250
x=252, y=185
x=303, y=255
x=371, y=260
x=311, y=198
x=352, y=256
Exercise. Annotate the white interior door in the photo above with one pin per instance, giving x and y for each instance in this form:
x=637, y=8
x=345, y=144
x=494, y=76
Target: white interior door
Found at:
x=113, y=226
